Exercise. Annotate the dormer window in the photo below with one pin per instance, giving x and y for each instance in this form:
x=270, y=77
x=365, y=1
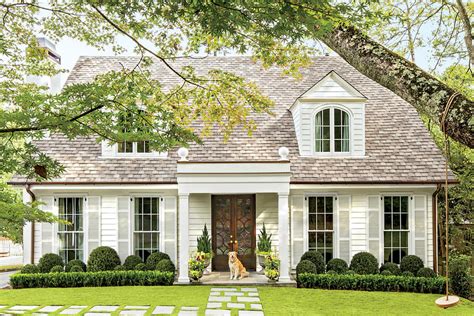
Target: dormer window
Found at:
x=127, y=146
x=332, y=131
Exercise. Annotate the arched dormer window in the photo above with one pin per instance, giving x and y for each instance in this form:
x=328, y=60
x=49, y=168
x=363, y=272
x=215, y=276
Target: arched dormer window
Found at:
x=332, y=131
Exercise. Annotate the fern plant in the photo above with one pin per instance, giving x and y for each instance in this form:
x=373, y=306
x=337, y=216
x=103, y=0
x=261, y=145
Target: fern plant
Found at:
x=264, y=244
x=204, y=242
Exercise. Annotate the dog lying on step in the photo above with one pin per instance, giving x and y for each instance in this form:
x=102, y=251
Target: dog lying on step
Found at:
x=237, y=270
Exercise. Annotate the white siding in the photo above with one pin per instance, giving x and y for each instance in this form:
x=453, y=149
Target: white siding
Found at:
x=330, y=88
x=267, y=212
x=430, y=249
x=109, y=221
x=359, y=223
x=199, y=214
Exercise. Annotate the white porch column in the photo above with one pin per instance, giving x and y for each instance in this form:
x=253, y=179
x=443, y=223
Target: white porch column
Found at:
x=284, y=236
x=183, y=215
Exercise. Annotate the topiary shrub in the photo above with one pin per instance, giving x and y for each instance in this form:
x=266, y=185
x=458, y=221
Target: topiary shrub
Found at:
x=48, y=261
x=57, y=269
x=154, y=258
x=29, y=268
x=73, y=263
x=131, y=262
x=141, y=267
x=386, y=272
x=331, y=272
x=119, y=268
x=337, y=265
x=364, y=263
x=426, y=273
x=76, y=268
x=305, y=266
x=103, y=259
x=407, y=274
x=350, y=272
x=460, y=275
x=392, y=267
x=316, y=258
x=165, y=266
x=411, y=263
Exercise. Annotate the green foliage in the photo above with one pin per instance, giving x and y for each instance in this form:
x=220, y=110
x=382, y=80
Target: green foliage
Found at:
x=103, y=258
x=386, y=272
x=48, y=261
x=407, y=274
x=364, y=263
x=73, y=263
x=371, y=282
x=76, y=268
x=337, y=265
x=120, y=268
x=131, y=262
x=57, y=269
x=204, y=241
x=411, y=263
x=165, y=265
x=316, y=258
x=350, y=272
x=29, y=268
x=392, y=267
x=305, y=266
x=154, y=258
x=426, y=273
x=141, y=267
x=264, y=245
x=83, y=279
x=460, y=275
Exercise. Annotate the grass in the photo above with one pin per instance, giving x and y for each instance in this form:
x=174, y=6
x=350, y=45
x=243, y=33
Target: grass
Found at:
x=276, y=301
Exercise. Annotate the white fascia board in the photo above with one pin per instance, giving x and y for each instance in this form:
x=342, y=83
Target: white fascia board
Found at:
x=233, y=168
x=362, y=186
x=234, y=187
x=83, y=187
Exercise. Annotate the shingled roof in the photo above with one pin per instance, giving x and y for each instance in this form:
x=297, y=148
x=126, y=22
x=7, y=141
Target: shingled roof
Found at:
x=399, y=148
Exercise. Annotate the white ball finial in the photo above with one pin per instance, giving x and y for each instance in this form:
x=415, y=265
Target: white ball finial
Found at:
x=283, y=152
x=183, y=154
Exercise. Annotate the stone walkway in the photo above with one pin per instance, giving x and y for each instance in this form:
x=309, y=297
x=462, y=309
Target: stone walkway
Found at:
x=222, y=301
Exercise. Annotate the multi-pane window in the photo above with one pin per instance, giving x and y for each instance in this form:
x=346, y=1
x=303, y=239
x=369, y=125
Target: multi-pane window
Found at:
x=395, y=228
x=126, y=124
x=332, y=131
x=146, y=226
x=320, y=225
x=71, y=236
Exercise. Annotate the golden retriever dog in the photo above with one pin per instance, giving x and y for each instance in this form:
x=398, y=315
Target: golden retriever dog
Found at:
x=237, y=270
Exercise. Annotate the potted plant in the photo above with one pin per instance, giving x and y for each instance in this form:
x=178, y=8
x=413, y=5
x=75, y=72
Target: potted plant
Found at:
x=264, y=247
x=272, y=268
x=196, y=268
x=204, y=248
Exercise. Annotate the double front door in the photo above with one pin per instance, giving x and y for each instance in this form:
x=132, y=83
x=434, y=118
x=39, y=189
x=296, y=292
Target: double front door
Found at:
x=233, y=229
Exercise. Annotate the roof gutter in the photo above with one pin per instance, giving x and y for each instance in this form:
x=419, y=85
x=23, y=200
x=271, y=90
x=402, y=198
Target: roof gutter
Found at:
x=434, y=216
x=33, y=199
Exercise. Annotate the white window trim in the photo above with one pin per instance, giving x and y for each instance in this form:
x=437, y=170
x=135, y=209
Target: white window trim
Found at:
x=161, y=223
x=335, y=219
x=135, y=154
x=332, y=153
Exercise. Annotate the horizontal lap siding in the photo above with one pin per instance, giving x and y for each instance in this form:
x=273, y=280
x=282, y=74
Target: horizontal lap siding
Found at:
x=358, y=220
x=267, y=212
x=429, y=212
x=109, y=222
x=199, y=214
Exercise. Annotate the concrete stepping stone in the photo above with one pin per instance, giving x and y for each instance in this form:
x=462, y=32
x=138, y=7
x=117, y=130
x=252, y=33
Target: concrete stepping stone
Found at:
x=137, y=307
x=236, y=305
x=71, y=311
x=137, y=312
x=77, y=306
x=249, y=289
x=248, y=299
x=97, y=314
x=217, y=312
x=50, y=309
x=253, y=293
x=23, y=307
x=167, y=310
x=3, y=306
x=189, y=308
x=14, y=312
x=251, y=313
x=103, y=308
x=188, y=313
x=215, y=293
x=220, y=298
x=256, y=306
x=223, y=289
x=234, y=294
x=214, y=305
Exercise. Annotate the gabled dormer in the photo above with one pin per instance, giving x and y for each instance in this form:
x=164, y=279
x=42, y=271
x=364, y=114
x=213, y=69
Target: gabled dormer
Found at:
x=330, y=119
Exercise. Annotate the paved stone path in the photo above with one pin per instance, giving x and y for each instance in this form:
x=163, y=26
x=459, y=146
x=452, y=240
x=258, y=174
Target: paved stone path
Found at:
x=221, y=302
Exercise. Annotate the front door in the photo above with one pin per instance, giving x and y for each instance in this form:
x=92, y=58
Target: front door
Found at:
x=233, y=228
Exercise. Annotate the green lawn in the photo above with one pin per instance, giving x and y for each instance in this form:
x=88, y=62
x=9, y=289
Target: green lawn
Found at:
x=276, y=301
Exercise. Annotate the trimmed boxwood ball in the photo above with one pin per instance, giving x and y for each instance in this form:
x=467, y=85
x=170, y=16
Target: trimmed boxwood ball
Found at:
x=411, y=263
x=392, y=267
x=426, y=273
x=386, y=272
x=350, y=272
x=141, y=267
x=75, y=262
x=76, y=268
x=131, y=262
x=407, y=274
x=305, y=266
x=331, y=272
x=57, y=269
x=316, y=258
x=165, y=265
x=119, y=268
x=48, y=261
x=154, y=258
x=364, y=263
x=337, y=265
x=29, y=268
x=103, y=259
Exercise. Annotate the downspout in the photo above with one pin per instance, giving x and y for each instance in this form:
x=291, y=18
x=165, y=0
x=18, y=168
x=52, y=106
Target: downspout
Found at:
x=33, y=198
x=434, y=206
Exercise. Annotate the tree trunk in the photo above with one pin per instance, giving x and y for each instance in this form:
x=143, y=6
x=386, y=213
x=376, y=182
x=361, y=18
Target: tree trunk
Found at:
x=426, y=93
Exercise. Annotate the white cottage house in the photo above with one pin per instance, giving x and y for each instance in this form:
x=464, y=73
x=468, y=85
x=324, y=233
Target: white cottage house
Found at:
x=343, y=166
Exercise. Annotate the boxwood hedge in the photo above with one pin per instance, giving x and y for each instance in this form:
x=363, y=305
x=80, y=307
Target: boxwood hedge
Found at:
x=371, y=283
x=85, y=279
